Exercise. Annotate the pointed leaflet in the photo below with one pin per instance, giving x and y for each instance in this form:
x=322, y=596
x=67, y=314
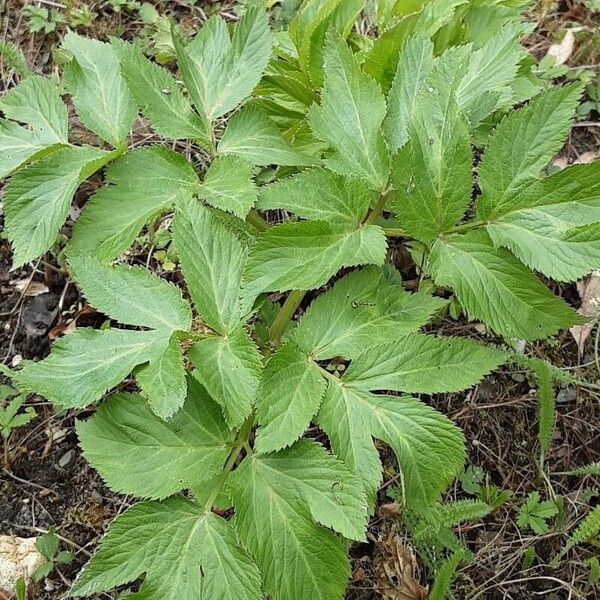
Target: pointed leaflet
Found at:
x=184, y=552
x=37, y=198
x=420, y=363
x=132, y=295
x=416, y=60
x=277, y=497
x=229, y=185
x=552, y=225
x=496, y=288
x=306, y=255
x=220, y=73
x=350, y=117
x=432, y=173
x=210, y=255
x=522, y=145
x=288, y=397
x=429, y=447
x=84, y=365
x=229, y=368
x=253, y=136
x=318, y=194
x=100, y=95
x=158, y=95
x=361, y=311
x=138, y=453
x=165, y=177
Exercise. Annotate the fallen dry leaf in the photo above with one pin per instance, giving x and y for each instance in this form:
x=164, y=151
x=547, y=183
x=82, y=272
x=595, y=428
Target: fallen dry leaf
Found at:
x=589, y=290
x=28, y=287
x=562, y=52
x=586, y=158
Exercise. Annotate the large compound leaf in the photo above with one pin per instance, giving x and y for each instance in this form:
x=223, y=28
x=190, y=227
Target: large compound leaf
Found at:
x=277, y=498
x=429, y=447
x=212, y=259
x=496, y=288
x=138, y=453
x=132, y=295
x=159, y=96
x=319, y=195
x=37, y=198
x=229, y=368
x=220, y=73
x=165, y=177
x=100, y=95
x=522, y=145
x=253, y=136
x=361, y=311
x=288, y=397
x=420, y=363
x=84, y=365
x=350, y=116
x=185, y=553
x=306, y=255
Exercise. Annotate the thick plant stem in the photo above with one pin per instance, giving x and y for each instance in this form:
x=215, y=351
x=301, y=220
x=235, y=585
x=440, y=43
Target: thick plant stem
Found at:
x=255, y=219
x=292, y=302
x=466, y=226
x=396, y=232
x=377, y=209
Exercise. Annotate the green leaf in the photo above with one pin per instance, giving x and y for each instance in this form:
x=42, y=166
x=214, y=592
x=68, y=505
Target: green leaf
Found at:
x=416, y=60
x=534, y=514
x=522, y=145
x=229, y=368
x=229, y=185
x=429, y=447
x=419, y=363
x=277, y=498
x=100, y=95
x=84, y=365
x=305, y=255
x=552, y=225
x=253, y=136
x=350, y=117
x=361, y=311
x=37, y=198
x=158, y=96
x=36, y=102
x=132, y=295
x=319, y=195
x=289, y=396
x=496, y=288
x=432, y=173
x=210, y=254
x=138, y=453
x=166, y=178
x=220, y=73
x=199, y=556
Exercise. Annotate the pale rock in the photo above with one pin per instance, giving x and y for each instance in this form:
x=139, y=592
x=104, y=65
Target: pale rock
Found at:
x=18, y=558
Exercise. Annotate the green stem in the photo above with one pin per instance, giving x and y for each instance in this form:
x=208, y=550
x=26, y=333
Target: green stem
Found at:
x=466, y=226
x=396, y=232
x=377, y=209
x=255, y=219
x=291, y=304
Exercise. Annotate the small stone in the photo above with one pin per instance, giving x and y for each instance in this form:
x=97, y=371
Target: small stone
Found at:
x=16, y=360
x=66, y=459
x=18, y=558
x=567, y=394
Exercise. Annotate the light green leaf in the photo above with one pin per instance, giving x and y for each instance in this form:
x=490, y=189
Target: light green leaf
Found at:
x=37, y=198
x=159, y=96
x=229, y=185
x=522, y=145
x=318, y=194
x=131, y=295
x=210, y=254
x=100, y=95
x=496, y=288
x=184, y=552
x=166, y=178
x=361, y=311
x=277, y=497
x=289, y=396
x=220, y=73
x=84, y=365
x=306, y=255
x=420, y=363
x=432, y=173
x=416, y=60
x=138, y=453
x=350, y=116
x=253, y=136
x=229, y=367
